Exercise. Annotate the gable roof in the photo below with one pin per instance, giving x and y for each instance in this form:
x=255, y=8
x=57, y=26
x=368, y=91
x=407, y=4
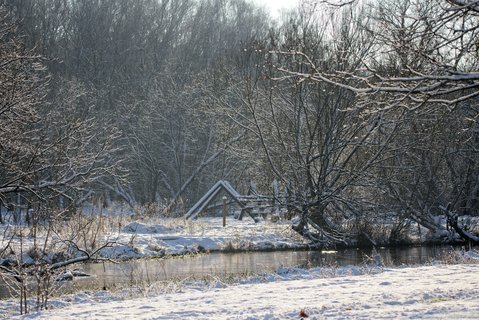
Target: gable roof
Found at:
x=210, y=195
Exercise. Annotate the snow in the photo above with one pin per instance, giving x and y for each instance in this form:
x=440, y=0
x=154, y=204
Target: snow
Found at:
x=437, y=291
x=427, y=292
x=179, y=237
x=137, y=227
x=168, y=236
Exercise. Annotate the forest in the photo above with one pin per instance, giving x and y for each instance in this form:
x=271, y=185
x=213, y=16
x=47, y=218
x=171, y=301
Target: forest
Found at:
x=364, y=112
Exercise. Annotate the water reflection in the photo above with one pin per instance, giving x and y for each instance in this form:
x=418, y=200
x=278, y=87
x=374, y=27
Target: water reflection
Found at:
x=131, y=273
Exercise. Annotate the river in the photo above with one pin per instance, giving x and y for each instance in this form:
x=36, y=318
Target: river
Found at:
x=132, y=273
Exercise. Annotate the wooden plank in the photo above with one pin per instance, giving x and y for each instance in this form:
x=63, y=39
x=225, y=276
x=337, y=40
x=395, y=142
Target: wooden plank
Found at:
x=205, y=203
x=202, y=200
x=231, y=190
x=209, y=196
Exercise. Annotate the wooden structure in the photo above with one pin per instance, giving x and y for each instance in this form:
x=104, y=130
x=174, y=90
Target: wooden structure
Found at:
x=254, y=205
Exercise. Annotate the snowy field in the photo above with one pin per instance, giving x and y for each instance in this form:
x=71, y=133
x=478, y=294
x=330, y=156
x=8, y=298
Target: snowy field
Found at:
x=428, y=292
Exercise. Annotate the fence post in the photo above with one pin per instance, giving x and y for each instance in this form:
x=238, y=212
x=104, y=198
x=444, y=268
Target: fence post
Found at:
x=224, y=211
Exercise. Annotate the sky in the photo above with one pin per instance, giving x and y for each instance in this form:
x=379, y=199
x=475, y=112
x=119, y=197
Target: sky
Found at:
x=276, y=5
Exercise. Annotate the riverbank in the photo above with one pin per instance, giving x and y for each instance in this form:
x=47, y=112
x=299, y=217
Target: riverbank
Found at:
x=130, y=239
x=431, y=292
x=152, y=239
x=179, y=237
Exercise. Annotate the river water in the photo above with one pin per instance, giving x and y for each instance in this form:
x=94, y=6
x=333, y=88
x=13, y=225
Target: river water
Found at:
x=132, y=273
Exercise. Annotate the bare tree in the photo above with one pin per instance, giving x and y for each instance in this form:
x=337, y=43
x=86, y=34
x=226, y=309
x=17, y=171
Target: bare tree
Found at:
x=312, y=137
x=422, y=63
x=52, y=151
x=423, y=51
x=22, y=81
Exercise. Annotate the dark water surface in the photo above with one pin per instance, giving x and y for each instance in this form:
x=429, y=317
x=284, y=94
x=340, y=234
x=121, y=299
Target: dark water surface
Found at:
x=131, y=273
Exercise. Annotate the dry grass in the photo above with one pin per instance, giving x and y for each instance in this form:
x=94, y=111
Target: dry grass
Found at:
x=458, y=257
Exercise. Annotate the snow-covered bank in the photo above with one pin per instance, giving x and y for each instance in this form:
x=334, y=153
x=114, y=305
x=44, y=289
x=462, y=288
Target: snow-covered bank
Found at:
x=429, y=292
x=163, y=237
x=177, y=237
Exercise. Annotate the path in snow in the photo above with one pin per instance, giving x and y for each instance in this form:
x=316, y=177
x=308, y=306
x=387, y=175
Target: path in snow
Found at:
x=431, y=292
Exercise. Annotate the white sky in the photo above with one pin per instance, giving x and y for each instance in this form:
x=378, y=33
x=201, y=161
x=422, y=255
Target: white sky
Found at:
x=276, y=5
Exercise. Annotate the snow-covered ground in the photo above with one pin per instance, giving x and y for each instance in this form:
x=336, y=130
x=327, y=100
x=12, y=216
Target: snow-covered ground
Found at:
x=438, y=291
x=428, y=292
x=176, y=237
x=167, y=236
